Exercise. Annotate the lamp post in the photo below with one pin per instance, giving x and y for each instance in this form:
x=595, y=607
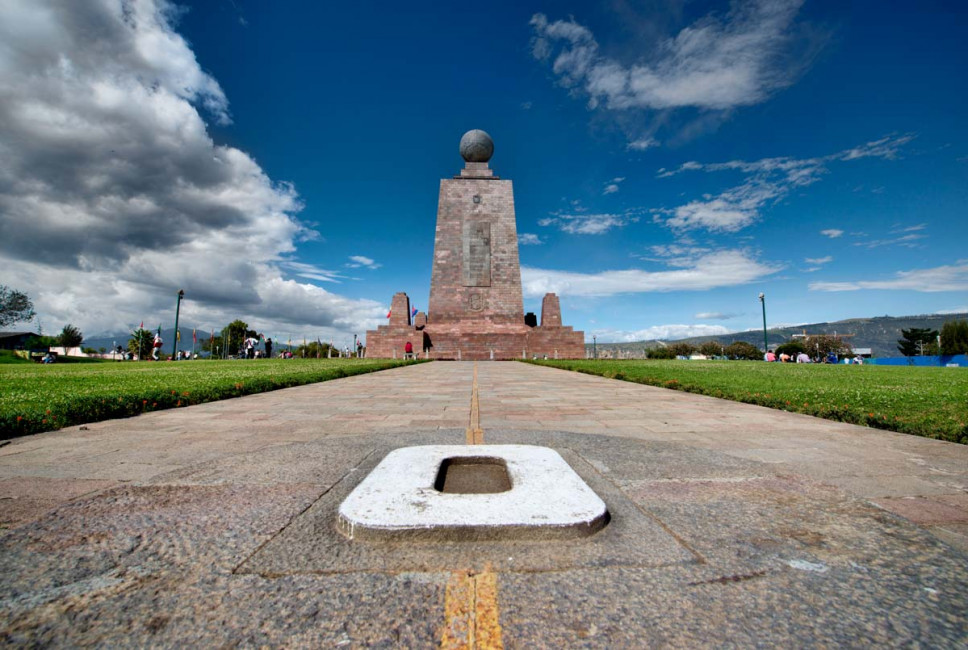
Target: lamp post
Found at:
x=594, y=346
x=766, y=346
x=174, y=346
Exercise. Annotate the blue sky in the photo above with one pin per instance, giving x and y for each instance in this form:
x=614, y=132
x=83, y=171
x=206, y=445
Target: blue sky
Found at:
x=671, y=160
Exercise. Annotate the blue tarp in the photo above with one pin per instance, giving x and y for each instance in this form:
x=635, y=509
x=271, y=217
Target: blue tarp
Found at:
x=961, y=360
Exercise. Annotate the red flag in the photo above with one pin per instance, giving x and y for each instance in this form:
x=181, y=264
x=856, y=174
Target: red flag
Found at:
x=194, y=336
x=142, y=325
x=389, y=312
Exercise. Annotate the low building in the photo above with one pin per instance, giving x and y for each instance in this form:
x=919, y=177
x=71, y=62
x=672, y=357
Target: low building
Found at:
x=15, y=340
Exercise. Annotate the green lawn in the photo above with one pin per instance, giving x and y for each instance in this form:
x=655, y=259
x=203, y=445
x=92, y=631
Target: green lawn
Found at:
x=35, y=397
x=930, y=402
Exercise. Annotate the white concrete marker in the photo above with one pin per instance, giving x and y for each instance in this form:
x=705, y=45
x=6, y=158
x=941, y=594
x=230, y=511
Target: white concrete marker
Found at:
x=398, y=500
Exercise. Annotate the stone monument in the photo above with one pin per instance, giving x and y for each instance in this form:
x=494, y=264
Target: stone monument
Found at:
x=476, y=308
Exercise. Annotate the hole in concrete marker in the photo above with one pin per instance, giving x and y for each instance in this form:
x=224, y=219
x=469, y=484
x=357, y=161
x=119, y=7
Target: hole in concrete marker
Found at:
x=472, y=475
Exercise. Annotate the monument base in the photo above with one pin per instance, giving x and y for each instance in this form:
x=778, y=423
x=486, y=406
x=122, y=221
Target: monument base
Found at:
x=462, y=342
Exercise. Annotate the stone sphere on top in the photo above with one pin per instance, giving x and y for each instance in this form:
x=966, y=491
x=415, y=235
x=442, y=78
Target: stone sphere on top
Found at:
x=476, y=146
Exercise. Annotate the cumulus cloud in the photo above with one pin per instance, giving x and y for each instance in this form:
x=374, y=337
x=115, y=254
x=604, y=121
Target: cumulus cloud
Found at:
x=659, y=332
x=528, y=239
x=720, y=63
x=952, y=277
x=767, y=181
x=113, y=195
x=706, y=271
x=833, y=233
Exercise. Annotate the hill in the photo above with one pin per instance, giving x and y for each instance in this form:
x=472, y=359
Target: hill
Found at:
x=879, y=333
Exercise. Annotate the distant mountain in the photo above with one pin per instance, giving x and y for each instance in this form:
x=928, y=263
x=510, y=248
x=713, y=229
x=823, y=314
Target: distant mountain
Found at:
x=167, y=335
x=879, y=333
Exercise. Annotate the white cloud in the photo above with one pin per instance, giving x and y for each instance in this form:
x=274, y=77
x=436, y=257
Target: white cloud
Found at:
x=907, y=241
x=941, y=278
x=956, y=310
x=659, y=332
x=642, y=144
x=707, y=271
x=588, y=224
x=819, y=260
x=528, y=239
x=113, y=196
x=715, y=63
x=358, y=261
x=612, y=186
x=767, y=181
x=713, y=315
x=887, y=147
x=312, y=272
x=833, y=233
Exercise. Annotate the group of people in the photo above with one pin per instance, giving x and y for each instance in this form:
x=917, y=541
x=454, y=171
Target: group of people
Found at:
x=248, y=350
x=783, y=357
x=803, y=357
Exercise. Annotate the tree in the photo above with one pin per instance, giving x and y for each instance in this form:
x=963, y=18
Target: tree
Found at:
x=236, y=332
x=916, y=341
x=661, y=353
x=711, y=348
x=40, y=342
x=70, y=337
x=140, y=343
x=823, y=345
x=954, y=337
x=313, y=350
x=682, y=349
x=793, y=348
x=15, y=306
x=743, y=350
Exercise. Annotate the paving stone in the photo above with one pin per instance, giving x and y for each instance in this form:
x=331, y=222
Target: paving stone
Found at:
x=215, y=524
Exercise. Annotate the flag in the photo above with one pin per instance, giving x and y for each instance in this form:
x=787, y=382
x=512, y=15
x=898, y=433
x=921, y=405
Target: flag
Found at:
x=413, y=312
x=178, y=335
x=142, y=325
x=213, y=335
x=194, y=336
x=389, y=312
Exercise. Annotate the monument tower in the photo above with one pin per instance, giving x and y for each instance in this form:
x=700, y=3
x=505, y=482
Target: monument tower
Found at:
x=476, y=308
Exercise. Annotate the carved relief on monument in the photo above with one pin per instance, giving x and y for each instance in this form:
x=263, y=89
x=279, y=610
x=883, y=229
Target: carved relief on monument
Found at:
x=475, y=302
x=477, y=254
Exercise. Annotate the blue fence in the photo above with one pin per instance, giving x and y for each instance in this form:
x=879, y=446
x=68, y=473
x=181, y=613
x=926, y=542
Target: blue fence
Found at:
x=960, y=360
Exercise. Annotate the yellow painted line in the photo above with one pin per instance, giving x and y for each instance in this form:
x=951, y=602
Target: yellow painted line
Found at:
x=474, y=434
x=471, y=612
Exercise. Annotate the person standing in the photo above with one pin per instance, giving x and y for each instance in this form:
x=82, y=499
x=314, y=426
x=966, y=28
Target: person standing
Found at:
x=268, y=348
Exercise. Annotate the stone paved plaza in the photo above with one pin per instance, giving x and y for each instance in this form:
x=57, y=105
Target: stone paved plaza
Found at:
x=731, y=524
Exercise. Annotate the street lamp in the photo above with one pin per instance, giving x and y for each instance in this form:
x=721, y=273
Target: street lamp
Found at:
x=174, y=346
x=594, y=346
x=766, y=346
